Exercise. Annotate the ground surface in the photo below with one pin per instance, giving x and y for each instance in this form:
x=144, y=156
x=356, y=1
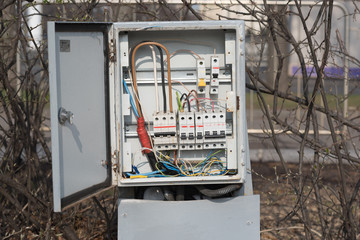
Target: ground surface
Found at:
x=278, y=200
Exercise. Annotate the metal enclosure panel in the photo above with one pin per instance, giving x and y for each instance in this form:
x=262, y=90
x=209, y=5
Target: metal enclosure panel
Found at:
x=78, y=83
x=227, y=38
x=227, y=218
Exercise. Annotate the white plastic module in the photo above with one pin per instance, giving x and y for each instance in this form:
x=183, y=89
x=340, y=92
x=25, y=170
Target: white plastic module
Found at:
x=183, y=131
x=214, y=75
x=165, y=135
x=201, y=77
x=199, y=130
x=186, y=131
x=215, y=130
x=191, y=130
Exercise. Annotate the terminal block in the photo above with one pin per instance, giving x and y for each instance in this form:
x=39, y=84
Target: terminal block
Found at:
x=214, y=75
x=165, y=136
x=186, y=131
x=214, y=130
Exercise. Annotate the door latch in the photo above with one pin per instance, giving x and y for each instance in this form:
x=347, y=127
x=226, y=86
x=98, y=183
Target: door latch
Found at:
x=65, y=116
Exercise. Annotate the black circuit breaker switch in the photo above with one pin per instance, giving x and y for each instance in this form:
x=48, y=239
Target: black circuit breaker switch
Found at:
x=191, y=136
x=214, y=75
x=183, y=136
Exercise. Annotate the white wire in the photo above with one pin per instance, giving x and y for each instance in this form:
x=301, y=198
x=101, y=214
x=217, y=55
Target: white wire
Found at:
x=155, y=78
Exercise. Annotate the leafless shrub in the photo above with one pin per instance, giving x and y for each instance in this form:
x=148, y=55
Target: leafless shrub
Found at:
x=319, y=209
x=314, y=46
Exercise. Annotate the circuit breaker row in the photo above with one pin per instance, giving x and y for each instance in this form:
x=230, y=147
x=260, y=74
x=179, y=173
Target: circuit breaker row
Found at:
x=189, y=130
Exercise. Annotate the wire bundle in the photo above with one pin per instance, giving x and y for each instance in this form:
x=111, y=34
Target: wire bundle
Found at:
x=141, y=129
x=162, y=165
x=169, y=167
x=163, y=83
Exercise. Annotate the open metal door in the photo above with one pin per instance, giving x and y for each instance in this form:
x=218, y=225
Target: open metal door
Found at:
x=79, y=101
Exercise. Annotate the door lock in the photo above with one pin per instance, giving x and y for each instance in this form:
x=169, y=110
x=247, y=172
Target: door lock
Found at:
x=65, y=116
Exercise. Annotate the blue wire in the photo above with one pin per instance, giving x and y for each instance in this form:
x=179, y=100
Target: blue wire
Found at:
x=135, y=169
x=170, y=166
x=131, y=99
x=209, y=155
x=145, y=174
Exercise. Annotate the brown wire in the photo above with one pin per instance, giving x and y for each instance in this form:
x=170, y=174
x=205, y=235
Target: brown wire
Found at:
x=196, y=98
x=175, y=160
x=134, y=72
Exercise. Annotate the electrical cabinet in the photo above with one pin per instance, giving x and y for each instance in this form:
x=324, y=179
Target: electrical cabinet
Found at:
x=147, y=104
x=188, y=81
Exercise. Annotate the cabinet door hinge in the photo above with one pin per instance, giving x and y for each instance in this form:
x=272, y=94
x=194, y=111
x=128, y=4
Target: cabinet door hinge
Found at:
x=112, y=51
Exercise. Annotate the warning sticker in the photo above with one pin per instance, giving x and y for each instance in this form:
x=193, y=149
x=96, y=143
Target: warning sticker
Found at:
x=64, y=45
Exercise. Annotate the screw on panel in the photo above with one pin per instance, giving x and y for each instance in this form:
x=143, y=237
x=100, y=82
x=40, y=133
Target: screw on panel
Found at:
x=248, y=222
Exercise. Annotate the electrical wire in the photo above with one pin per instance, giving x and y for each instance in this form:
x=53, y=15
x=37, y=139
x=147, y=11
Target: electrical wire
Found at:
x=186, y=51
x=137, y=99
x=188, y=103
x=188, y=91
x=162, y=77
x=212, y=101
x=178, y=101
x=131, y=99
x=210, y=166
x=186, y=100
x=155, y=78
x=144, y=135
x=196, y=98
x=162, y=72
x=134, y=72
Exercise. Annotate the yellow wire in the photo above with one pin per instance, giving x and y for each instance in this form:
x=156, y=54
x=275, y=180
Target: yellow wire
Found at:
x=188, y=166
x=209, y=157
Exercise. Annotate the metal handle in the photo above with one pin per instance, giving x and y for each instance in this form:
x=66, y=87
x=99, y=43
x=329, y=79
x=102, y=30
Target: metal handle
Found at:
x=65, y=116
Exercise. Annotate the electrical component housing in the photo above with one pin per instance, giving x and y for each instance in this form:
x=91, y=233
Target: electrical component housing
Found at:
x=127, y=129
x=206, y=139
x=141, y=139
x=165, y=133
